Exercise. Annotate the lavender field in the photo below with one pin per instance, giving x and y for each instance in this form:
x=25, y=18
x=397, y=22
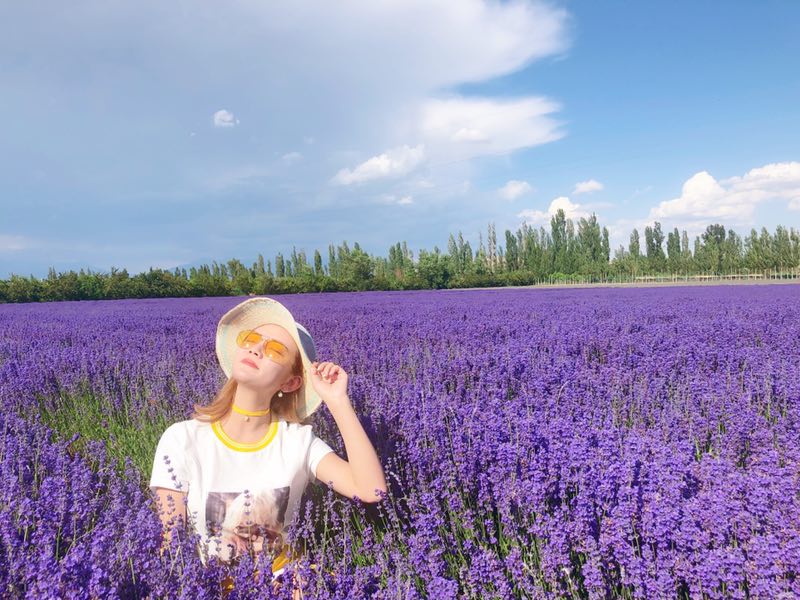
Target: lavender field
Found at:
x=588, y=443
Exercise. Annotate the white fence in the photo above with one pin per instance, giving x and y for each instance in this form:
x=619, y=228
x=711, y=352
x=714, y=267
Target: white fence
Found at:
x=769, y=276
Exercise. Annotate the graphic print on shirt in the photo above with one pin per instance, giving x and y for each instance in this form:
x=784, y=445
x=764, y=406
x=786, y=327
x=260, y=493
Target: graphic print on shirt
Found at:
x=246, y=521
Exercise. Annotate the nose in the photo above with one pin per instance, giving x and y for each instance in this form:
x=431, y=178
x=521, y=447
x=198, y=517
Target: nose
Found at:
x=259, y=347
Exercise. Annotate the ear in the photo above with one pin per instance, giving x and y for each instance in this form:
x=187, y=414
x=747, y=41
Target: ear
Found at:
x=293, y=383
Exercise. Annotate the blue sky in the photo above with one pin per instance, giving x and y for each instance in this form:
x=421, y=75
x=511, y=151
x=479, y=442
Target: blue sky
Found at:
x=172, y=134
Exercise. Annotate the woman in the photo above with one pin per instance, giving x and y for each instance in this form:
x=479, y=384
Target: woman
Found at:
x=241, y=464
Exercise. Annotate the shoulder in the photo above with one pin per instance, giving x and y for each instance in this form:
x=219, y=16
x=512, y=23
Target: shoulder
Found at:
x=298, y=427
x=299, y=431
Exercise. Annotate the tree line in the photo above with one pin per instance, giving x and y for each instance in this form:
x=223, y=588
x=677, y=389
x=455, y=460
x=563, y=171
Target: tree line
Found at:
x=528, y=256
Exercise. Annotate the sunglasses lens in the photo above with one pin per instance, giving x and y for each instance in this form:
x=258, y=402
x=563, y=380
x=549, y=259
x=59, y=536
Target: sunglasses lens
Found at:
x=273, y=349
x=247, y=338
x=276, y=351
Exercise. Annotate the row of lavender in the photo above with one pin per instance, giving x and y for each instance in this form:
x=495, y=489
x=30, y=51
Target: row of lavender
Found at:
x=538, y=443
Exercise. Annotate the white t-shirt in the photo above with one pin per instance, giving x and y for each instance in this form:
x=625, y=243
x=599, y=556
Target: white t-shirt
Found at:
x=239, y=496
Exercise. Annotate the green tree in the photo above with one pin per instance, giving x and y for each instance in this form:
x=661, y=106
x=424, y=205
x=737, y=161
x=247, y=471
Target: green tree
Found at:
x=590, y=246
x=318, y=270
x=634, y=252
x=782, y=249
x=434, y=269
x=606, y=249
x=654, y=240
x=558, y=235
x=356, y=268
x=710, y=252
x=674, y=251
x=259, y=269
x=280, y=266
x=241, y=278
x=732, y=252
x=512, y=252
x=333, y=269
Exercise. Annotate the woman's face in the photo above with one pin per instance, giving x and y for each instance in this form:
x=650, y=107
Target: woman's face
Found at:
x=263, y=366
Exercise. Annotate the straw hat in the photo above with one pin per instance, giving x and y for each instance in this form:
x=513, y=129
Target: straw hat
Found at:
x=261, y=310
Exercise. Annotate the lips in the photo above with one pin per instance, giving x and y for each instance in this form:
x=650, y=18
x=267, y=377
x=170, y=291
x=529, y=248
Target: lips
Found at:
x=247, y=361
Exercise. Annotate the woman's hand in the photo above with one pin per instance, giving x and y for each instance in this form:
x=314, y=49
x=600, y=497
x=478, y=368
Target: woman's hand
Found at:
x=330, y=382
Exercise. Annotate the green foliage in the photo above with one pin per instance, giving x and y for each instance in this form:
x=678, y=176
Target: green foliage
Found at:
x=94, y=417
x=529, y=256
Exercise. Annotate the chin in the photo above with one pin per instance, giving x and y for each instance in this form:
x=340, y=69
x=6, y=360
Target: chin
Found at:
x=249, y=379
x=240, y=377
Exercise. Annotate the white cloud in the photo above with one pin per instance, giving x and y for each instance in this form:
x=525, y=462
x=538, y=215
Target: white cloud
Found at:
x=244, y=175
x=393, y=199
x=14, y=243
x=594, y=205
x=732, y=200
x=347, y=73
x=291, y=157
x=224, y=118
x=462, y=128
x=514, y=189
x=379, y=108
x=587, y=187
x=395, y=162
x=466, y=134
x=537, y=217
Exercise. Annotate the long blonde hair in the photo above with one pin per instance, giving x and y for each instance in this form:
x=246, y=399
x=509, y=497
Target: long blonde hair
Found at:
x=285, y=406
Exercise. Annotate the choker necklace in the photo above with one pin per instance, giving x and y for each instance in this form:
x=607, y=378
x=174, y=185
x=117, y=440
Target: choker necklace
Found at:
x=249, y=413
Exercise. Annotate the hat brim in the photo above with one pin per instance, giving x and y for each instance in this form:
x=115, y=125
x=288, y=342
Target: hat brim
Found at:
x=250, y=314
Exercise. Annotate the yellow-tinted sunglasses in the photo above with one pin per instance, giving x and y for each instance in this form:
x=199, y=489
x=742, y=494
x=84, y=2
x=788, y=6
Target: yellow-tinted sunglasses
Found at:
x=273, y=349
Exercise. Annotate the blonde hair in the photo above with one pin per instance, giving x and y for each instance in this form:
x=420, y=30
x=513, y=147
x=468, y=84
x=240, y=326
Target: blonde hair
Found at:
x=284, y=407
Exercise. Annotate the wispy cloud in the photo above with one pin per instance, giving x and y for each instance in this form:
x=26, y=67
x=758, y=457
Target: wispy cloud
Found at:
x=587, y=187
x=291, y=157
x=514, y=189
x=299, y=79
x=401, y=200
x=462, y=128
x=15, y=243
x=245, y=175
x=640, y=191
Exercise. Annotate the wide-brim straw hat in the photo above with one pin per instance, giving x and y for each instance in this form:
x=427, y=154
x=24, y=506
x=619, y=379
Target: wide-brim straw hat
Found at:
x=261, y=310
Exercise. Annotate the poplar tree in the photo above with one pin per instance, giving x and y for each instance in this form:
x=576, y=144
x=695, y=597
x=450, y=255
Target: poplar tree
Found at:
x=332, y=266
x=674, y=250
x=512, y=252
x=318, y=263
x=491, y=248
x=280, y=267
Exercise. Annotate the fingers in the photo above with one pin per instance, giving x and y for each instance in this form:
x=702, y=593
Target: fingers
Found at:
x=327, y=369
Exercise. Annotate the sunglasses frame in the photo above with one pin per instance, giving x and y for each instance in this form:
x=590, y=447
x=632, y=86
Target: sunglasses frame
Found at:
x=242, y=336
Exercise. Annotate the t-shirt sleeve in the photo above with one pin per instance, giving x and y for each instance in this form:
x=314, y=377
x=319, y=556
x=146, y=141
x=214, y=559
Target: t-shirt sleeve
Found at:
x=317, y=449
x=169, y=464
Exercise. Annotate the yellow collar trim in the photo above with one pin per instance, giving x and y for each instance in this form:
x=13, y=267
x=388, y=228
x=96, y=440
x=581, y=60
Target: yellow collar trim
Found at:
x=272, y=430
